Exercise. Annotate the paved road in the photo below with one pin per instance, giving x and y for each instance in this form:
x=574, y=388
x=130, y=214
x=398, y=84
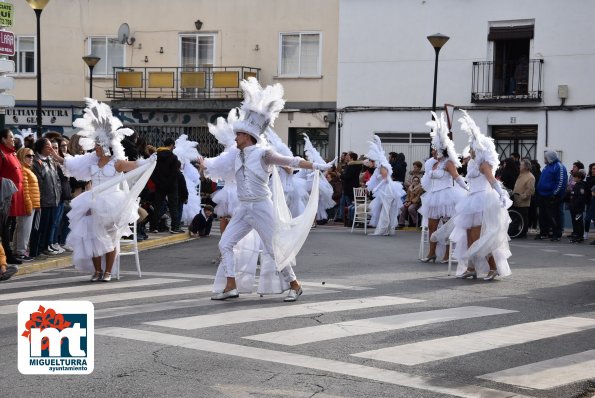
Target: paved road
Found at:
x=373, y=322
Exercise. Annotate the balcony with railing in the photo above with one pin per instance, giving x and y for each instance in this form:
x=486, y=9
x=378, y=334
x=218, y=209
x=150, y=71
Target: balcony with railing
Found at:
x=515, y=81
x=179, y=83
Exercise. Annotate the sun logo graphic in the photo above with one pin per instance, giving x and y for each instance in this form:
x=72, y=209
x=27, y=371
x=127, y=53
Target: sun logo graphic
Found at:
x=56, y=337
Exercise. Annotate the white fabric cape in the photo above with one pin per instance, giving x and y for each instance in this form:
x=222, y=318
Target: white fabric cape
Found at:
x=291, y=233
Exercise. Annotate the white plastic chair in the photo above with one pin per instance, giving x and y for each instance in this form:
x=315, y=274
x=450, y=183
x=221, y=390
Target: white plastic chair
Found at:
x=360, y=203
x=424, y=240
x=129, y=247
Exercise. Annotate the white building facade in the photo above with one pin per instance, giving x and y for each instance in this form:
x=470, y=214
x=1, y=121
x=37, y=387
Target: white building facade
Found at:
x=522, y=68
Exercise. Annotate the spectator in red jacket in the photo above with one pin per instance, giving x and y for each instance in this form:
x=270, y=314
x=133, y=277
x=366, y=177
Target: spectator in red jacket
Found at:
x=10, y=168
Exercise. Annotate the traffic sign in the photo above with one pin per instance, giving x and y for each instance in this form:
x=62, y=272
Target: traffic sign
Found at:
x=6, y=101
x=6, y=42
x=6, y=66
x=6, y=14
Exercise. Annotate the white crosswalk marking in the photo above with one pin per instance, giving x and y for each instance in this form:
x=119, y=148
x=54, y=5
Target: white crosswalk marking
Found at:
x=263, y=314
x=325, y=365
x=449, y=347
x=373, y=325
x=87, y=287
x=189, y=303
x=16, y=284
x=549, y=374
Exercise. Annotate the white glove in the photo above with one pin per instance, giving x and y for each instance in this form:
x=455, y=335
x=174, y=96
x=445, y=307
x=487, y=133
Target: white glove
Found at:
x=504, y=197
x=322, y=166
x=152, y=158
x=462, y=183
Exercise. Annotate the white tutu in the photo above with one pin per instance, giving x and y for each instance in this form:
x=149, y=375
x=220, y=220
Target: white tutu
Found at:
x=96, y=225
x=441, y=204
x=226, y=200
x=384, y=208
x=494, y=233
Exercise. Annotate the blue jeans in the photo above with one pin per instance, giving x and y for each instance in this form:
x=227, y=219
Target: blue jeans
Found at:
x=345, y=201
x=56, y=222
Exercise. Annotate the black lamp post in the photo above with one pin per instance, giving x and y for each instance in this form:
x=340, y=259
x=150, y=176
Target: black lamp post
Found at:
x=91, y=61
x=37, y=6
x=437, y=41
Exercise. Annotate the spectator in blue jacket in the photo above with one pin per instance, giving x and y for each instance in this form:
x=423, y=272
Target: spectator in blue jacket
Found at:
x=551, y=190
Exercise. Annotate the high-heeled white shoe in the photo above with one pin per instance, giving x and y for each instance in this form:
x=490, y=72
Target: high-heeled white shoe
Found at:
x=428, y=259
x=96, y=277
x=107, y=277
x=491, y=275
x=468, y=274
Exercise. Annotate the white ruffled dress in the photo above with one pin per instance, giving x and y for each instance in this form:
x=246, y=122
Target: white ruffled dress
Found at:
x=98, y=219
x=481, y=208
x=441, y=194
x=384, y=208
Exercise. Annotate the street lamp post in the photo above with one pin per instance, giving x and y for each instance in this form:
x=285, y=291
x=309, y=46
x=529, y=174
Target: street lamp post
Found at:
x=37, y=6
x=91, y=61
x=437, y=41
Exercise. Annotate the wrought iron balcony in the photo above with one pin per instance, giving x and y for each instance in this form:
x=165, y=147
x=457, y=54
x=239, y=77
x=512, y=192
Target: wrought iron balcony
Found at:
x=178, y=83
x=516, y=81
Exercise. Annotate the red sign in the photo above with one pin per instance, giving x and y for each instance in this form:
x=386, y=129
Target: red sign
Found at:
x=6, y=42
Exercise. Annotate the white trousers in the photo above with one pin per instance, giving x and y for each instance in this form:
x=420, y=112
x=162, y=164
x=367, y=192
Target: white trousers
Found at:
x=249, y=216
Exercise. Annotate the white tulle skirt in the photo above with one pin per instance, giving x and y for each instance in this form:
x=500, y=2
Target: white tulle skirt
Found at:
x=97, y=225
x=441, y=204
x=482, y=209
x=226, y=200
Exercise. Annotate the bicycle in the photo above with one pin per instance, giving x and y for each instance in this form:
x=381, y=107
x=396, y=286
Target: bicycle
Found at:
x=515, y=228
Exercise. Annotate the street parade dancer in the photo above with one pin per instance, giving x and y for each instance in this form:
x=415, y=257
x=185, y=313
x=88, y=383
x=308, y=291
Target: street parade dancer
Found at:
x=384, y=208
x=441, y=195
x=481, y=222
x=101, y=216
x=186, y=152
x=252, y=163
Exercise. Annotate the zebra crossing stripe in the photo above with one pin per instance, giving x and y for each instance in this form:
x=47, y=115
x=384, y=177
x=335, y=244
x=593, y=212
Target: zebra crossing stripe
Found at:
x=142, y=294
x=449, y=347
x=313, y=334
x=284, y=311
x=549, y=374
x=87, y=287
x=326, y=365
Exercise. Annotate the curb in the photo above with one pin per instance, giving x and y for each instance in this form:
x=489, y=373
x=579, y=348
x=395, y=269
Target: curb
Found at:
x=65, y=260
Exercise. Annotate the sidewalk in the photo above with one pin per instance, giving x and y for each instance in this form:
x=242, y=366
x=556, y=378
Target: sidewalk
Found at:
x=64, y=260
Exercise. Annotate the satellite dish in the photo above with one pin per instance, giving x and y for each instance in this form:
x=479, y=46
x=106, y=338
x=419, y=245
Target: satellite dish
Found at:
x=124, y=35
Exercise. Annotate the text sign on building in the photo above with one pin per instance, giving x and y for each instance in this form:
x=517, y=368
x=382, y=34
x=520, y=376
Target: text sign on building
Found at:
x=6, y=13
x=6, y=42
x=50, y=116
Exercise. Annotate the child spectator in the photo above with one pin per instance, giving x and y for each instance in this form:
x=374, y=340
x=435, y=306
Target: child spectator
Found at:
x=202, y=222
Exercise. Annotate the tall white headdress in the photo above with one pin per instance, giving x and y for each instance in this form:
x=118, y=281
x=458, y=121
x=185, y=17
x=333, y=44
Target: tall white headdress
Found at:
x=28, y=132
x=260, y=107
x=378, y=155
x=484, y=148
x=99, y=127
x=440, y=139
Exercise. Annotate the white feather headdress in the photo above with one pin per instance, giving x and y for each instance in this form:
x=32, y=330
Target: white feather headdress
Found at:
x=260, y=107
x=186, y=150
x=378, y=155
x=28, y=132
x=440, y=140
x=223, y=130
x=484, y=147
x=276, y=143
x=99, y=127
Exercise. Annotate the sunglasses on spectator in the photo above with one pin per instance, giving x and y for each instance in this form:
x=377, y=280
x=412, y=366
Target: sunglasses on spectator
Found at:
x=29, y=156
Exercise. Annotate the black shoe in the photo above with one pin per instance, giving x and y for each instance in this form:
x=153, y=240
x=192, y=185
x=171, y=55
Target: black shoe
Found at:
x=177, y=231
x=539, y=237
x=576, y=240
x=592, y=243
x=555, y=239
x=23, y=257
x=13, y=260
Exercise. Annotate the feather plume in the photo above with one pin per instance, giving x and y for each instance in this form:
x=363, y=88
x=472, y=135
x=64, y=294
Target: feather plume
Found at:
x=223, y=130
x=186, y=150
x=440, y=139
x=312, y=153
x=276, y=143
x=99, y=127
x=28, y=132
x=483, y=146
x=377, y=154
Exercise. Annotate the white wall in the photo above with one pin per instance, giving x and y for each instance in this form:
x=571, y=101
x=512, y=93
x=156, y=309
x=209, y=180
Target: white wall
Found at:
x=385, y=60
